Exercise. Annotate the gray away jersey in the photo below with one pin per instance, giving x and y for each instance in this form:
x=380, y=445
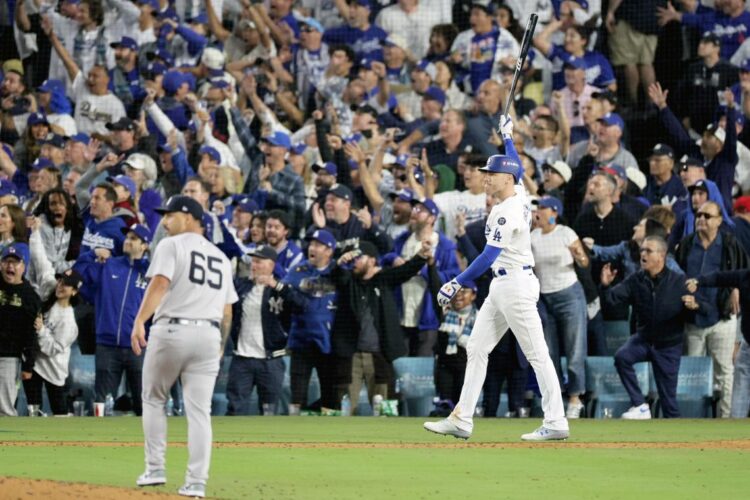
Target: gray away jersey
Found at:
x=200, y=278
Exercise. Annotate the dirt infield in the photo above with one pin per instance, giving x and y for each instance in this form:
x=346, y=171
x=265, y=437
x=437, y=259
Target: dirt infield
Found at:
x=37, y=488
x=743, y=444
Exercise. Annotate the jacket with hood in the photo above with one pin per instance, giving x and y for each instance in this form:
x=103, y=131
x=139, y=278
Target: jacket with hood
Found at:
x=685, y=224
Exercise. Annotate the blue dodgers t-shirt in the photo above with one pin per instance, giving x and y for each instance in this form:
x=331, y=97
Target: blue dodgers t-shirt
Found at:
x=731, y=32
x=599, y=72
x=366, y=44
x=482, y=57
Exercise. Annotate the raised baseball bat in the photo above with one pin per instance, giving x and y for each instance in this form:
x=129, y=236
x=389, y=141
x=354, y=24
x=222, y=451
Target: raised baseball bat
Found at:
x=525, y=44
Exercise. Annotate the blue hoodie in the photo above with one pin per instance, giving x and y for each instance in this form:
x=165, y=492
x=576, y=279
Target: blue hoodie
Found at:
x=685, y=224
x=105, y=234
x=118, y=287
x=447, y=268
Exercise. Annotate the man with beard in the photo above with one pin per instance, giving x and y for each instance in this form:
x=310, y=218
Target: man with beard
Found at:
x=14, y=108
x=277, y=232
x=419, y=320
x=124, y=78
x=401, y=203
x=366, y=335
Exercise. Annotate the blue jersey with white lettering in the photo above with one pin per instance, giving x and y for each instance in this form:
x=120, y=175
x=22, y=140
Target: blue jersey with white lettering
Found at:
x=731, y=31
x=366, y=44
x=599, y=72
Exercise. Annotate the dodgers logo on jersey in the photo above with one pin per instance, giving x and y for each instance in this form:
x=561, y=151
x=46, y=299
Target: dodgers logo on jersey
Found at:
x=501, y=221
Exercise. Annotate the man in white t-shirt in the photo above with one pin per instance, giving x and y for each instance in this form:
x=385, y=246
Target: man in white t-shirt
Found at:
x=95, y=104
x=556, y=250
x=471, y=202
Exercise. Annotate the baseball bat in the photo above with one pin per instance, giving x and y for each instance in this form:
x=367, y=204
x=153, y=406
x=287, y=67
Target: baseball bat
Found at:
x=525, y=44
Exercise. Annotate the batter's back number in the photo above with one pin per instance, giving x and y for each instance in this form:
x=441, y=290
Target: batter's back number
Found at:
x=200, y=265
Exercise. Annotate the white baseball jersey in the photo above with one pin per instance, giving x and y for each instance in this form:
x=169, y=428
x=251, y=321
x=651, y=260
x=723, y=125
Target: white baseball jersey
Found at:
x=508, y=227
x=200, y=278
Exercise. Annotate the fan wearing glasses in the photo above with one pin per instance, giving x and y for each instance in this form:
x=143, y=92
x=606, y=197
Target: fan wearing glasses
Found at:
x=713, y=331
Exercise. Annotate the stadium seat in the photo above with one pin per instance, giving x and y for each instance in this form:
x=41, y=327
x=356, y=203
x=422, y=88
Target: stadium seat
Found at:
x=415, y=376
x=616, y=333
x=695, y=389
x=606, y=388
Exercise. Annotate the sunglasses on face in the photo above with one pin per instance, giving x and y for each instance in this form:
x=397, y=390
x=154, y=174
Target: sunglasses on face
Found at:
x=705, y=215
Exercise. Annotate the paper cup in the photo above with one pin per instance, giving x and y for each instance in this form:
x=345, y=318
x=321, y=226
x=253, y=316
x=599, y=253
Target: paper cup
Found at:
x=98, y=409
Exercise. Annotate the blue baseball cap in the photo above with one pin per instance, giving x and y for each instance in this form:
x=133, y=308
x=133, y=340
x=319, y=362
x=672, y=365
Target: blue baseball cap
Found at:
x=141, y=231
x=428, y=204
x=501, y=164
x=613, y=119
x=126, y=43
x=428, y=67
x=328, y=167
x=406, y=195
x=298, y=149
x=435, y=94
x=247, y=205
x=41, y=163
x=80, y=137
x=278, y=138
x=37, y=118
x=162, y=54
x=549, y=202
x=574, y=62
x=324, y=237
x=363, y=3
x=173, y=80
x=210, y=151
x=201, y=18
x=353, y=164
x=154, y=69
x=8, y=150
x=220, y=83
x=124, y=181
x=55, y=140
x=744, y=65
x=183, y=204
x=153, y=3
x=470, y=285
x=402, y=159
x=366, y=63
x=7, y=188
x=313, y=23
x=49, y=86
x=17, y=250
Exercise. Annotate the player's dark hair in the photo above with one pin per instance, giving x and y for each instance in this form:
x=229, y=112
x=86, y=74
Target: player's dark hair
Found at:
x=280, y=216
x=109, y=191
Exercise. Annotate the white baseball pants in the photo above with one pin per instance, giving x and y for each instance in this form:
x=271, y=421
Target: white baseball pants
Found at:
x=191, y=353
x=511, y=303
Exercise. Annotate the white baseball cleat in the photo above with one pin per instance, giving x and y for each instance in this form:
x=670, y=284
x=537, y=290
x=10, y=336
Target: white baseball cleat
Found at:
x=195, y=490
x=642, y=412
x=447, y=428
x=153, y=478
x=544, y=434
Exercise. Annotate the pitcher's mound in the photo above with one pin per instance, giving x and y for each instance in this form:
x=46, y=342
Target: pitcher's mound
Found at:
x=13, y=487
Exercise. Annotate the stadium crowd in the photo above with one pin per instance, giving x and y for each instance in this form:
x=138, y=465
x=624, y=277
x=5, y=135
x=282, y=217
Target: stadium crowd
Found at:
x=334, y=147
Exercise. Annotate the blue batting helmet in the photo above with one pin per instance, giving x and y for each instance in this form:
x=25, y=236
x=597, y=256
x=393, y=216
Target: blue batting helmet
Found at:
x=502, y=164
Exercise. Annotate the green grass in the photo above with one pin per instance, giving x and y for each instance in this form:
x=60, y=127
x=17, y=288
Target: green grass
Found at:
x=526, y=472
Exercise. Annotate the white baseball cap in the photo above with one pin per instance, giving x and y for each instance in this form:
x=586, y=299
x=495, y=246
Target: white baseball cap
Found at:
x=561, y=168
x=213, y=58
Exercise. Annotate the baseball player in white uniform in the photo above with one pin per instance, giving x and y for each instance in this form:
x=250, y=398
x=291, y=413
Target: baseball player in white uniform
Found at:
x=511, y=303
x=190, y=296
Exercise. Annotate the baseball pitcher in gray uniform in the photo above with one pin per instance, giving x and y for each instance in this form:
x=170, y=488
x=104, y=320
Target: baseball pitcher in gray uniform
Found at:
x=190, y=297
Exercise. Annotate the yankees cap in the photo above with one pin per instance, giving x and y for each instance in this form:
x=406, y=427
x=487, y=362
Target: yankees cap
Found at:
x=264, y=252
x=184, y=204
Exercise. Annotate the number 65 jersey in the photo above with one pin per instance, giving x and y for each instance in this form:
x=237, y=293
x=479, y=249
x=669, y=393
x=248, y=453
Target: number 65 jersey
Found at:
x=200, y=278
x=508, y=227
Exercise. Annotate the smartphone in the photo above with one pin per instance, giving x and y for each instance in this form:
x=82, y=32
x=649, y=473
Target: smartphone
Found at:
x=722, y=98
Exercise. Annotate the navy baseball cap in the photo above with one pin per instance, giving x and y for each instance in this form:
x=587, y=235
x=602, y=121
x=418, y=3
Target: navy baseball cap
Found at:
x=363, y=3
x=688, y=161
x=70, y=278
x=341, y=191
x=406, y=195
x=662, y=150
x=324, y=237
x=139, y=230
x=710, y=37
x=366, y=63
x=745, y=65
x=41, y=163
x=36, y=119
x=7, y=188
x=549, y=202
x=278, y=138
x=613, y=119
x=701, y=184
x=18, y=250
x=183, y=204
x=264, y=252
x=435, y=94
x=124, y=181
x=55, y=140
x=328, y=167
x=368, y=249
x=210, y=151
x=248, y=205
x=501, y=164
x=428, y=204
x=80, y=137
x=126, y=43
x=123, y=123
x=574, y=62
